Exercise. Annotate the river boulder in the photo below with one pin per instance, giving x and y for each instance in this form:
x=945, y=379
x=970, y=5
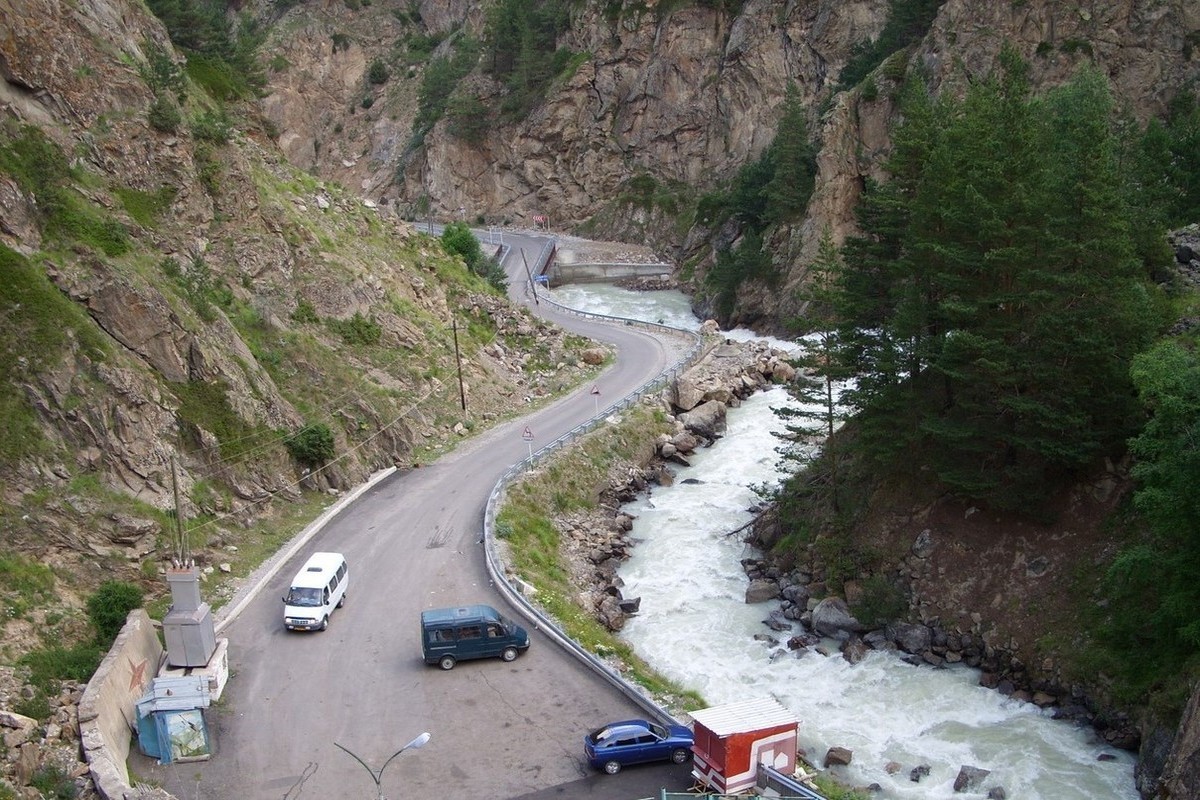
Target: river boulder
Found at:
x=832, y=617
x=706, y=420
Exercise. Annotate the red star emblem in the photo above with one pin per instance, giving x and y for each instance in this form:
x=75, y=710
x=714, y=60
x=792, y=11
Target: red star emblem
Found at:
x=138, y=678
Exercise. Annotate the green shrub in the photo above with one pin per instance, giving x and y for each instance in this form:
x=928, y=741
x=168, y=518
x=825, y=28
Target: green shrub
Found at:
x=468, y=118
x=54, y=783
x=50, y=666
x=161, y=73
x=212, y=126
x=164, y=115
x=36, y=706
x=869, y=91
x=312, y=445
x=208, y=168
x=357, y=330
x=26, y=584
x=1074, y=46
x=147, y=207
x=110, y=605
x=305, y=313
x=202, y=290
x=378, y=72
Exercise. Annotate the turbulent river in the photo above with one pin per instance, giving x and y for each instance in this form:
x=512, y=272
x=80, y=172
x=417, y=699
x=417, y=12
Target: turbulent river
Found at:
x=695, y=627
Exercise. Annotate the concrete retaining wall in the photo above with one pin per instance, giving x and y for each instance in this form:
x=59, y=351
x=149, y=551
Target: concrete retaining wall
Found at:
x=107, y=721
x=560, y=273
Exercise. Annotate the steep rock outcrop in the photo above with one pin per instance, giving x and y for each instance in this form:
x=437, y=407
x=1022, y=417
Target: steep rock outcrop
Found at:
x=687, y=97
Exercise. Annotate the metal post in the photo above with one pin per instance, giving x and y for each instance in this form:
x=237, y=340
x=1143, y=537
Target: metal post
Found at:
x=529, y=275
x=462, y=395
x=182, y=556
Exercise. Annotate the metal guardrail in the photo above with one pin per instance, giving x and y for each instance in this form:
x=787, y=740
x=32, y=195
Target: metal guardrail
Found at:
x=789, y=787
x=494, y=565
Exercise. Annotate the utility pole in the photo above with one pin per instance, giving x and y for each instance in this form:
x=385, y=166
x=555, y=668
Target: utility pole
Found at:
x=529, y=275
x=182, y=556
x=462, y=395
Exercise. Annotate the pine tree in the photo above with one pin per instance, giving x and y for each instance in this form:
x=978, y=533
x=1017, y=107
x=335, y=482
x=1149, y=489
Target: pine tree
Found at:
x=822, y=375
x=993, y=302
x=795, y=163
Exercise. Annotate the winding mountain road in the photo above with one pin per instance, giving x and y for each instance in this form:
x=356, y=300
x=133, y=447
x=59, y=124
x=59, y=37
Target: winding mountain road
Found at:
x=412, y=539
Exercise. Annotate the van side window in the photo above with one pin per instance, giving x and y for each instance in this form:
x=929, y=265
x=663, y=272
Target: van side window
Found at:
x=470, y=632
x=333, y=582
x=443, y=635
x=494, y=631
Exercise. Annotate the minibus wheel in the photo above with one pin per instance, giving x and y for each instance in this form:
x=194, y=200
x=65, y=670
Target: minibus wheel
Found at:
x=509, y=654
x=447, y=662
x=324, y=622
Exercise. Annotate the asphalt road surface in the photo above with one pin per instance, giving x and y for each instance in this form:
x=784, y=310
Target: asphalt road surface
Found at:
x=412, y=539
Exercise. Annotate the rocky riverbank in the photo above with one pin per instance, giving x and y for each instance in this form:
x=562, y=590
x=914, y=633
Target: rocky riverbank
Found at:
x=594, y=543
x=811, y=614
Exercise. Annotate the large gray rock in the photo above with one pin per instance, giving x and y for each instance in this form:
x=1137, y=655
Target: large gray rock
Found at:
x=910, y=637
x=838, y=756
x=687, y=394
x=832, y=617
x=707, y=419
x=969, y=778
x=760, y=591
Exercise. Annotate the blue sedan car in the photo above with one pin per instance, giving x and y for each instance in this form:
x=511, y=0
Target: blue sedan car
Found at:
x=636, y=741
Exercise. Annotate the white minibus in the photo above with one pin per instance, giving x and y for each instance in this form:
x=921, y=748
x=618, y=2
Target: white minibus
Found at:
x=318, y=588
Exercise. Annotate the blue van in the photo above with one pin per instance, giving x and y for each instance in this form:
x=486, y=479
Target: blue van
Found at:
x=450, y=635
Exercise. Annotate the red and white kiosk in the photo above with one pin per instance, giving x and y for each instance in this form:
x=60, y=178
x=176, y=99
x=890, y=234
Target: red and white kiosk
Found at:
x=733, y=739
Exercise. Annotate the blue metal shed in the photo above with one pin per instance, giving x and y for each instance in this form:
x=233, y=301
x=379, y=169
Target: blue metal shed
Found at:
x=170, y=720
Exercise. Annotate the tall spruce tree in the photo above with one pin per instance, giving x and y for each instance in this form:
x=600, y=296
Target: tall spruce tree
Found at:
x=795, y=161
x=822, y=376
x=993, y=303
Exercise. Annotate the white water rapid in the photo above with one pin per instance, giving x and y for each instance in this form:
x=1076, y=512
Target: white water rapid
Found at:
x=695, y=627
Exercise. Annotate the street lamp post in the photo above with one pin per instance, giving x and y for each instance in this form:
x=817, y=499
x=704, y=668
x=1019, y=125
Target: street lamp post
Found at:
x=420, y=741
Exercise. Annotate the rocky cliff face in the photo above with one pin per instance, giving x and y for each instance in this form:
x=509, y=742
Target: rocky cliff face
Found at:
x=687, y=96
x=212, y=300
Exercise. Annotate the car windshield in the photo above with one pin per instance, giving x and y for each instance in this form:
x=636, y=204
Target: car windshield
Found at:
x=304, y=597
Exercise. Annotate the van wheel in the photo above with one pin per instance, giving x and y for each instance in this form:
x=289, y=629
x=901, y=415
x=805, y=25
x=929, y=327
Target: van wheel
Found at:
x=509, y=654
x=324, y=622
x=679, y=755
x=341, y=601
x=612, y=767
x=447, y=662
